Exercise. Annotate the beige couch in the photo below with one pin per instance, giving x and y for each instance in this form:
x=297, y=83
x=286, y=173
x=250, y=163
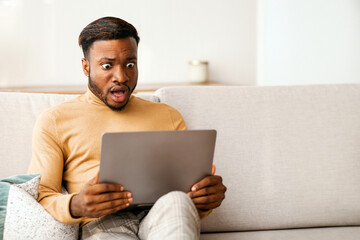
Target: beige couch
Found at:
x=290, y=156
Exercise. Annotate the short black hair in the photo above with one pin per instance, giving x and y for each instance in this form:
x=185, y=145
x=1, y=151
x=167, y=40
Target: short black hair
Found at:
x=106, y=28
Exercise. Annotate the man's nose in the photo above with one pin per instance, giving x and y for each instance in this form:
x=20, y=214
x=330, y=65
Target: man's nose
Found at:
x=120, y=75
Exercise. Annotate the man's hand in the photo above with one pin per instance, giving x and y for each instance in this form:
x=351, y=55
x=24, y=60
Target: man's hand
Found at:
x=96, y=200
x=208, y=193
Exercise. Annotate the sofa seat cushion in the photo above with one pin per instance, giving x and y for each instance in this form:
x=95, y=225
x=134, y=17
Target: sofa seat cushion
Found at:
x=333, y=233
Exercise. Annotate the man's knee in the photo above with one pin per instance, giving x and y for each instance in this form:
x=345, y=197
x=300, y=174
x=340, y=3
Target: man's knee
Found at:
x=177, y=199
x=176, y=204
x=173, y=214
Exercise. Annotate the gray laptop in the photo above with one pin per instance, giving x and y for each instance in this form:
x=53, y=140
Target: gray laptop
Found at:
x=151, y=164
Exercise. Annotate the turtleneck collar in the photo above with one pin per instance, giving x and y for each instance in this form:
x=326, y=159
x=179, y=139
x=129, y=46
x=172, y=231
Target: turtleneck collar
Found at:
x=92, y=98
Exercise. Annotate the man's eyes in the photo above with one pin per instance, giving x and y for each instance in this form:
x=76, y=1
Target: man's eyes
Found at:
x=106, y=65
x=130, y=65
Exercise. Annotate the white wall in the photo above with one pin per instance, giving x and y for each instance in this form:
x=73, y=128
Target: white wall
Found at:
x=308, y=42
x=38, y=43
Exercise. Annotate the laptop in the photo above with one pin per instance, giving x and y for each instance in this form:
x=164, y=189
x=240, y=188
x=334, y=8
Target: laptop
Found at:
x=153, y=163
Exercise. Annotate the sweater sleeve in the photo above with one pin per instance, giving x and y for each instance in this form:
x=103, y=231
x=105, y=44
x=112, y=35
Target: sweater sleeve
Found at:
x=48, y=160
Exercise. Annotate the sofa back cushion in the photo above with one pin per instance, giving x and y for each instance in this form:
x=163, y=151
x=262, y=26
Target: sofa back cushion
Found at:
x=289, y=156
x=18, y=113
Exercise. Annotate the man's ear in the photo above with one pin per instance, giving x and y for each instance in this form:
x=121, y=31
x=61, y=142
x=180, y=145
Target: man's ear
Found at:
x=85, y=66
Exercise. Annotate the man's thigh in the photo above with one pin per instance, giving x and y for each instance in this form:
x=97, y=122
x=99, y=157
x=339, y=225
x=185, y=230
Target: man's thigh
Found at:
x=173, y=216
x=121, y=225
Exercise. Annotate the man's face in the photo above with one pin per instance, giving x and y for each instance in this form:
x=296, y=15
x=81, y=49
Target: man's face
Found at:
x=111, y=66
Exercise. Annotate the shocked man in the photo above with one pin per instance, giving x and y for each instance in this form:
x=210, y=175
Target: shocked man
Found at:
x=66, y=148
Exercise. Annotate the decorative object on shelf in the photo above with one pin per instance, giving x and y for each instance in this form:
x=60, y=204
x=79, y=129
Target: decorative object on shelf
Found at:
x=198, y=71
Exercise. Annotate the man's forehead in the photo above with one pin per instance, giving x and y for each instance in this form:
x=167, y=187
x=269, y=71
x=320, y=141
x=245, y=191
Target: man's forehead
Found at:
x=126, y=46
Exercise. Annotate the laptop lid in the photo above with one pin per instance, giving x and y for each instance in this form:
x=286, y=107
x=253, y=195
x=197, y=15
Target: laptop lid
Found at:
x=151, y=164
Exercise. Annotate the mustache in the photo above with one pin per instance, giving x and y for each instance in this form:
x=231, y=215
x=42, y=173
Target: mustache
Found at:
x=119, y=84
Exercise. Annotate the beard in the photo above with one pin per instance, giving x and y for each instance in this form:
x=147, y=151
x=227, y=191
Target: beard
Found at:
x=94, y=88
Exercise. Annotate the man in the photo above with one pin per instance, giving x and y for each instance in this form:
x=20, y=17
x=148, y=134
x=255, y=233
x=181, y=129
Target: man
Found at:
x=66, y=148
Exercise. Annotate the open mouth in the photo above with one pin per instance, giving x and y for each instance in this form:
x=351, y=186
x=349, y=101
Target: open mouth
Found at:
x=118, y=94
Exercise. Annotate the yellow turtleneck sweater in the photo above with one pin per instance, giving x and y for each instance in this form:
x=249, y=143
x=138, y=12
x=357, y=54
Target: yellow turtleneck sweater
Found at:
x=66, y=144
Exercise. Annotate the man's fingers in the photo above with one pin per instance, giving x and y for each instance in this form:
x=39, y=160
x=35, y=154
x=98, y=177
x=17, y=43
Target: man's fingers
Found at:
x=95, y=179
x=106, y=197
x=94, y=198
x=208, y=199
x=208, y=206
x=110, y=205
x=208, y=193
x=213, y=170
x=204, y=192
x=206, y=182
x=103, y=188
x=108, y=208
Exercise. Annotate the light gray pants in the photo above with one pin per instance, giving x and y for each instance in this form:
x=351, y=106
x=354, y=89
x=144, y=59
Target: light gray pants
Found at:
x=173, y=216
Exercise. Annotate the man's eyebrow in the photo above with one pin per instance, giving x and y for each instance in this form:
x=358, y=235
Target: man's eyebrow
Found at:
x=113, y=59
x=108, y=59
